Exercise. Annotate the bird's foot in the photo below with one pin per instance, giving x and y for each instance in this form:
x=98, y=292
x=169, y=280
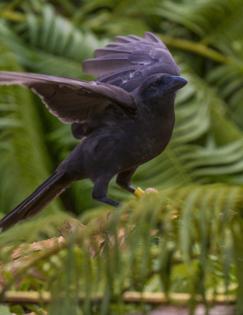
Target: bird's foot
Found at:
x=139, y=192
x=109, y=201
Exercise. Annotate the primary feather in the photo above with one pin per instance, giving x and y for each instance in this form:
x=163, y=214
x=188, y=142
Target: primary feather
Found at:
x=68, y=99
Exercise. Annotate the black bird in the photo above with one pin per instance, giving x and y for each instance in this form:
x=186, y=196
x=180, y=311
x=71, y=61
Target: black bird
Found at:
x=123, y=119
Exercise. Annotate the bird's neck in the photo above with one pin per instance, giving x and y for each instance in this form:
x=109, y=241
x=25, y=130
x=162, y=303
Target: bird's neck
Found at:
x=160, y=106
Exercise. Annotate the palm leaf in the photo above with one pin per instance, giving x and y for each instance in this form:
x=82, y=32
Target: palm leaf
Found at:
x=24, y=159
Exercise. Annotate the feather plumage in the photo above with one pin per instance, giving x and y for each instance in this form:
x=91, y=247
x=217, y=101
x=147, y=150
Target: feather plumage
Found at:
x=68, y=99
x=130, y=59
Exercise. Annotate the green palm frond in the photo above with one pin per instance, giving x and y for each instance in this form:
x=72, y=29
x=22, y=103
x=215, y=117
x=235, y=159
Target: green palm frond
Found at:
x=55, y=38
x=200, y=151
x=201, y=17
x=23, y=153
x=188, y=238
x=177, y=229
x=50, y=43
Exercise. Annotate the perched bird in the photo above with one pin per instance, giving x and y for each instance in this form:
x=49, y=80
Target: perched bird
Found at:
x=123, y=119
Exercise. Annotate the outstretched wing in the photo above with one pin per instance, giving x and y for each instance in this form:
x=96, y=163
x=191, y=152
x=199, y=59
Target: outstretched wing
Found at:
x=128, y=60
x=70, y=100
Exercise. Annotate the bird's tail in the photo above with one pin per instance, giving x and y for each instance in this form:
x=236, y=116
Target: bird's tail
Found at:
x=51, y=188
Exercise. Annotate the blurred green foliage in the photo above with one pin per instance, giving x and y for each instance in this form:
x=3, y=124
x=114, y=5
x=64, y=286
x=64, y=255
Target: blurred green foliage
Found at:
x=201, y=170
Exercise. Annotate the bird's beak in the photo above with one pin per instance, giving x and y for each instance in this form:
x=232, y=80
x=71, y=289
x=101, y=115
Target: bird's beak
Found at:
x=177, y=82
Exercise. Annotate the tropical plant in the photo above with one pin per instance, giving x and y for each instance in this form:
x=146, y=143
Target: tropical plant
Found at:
x=196, y=217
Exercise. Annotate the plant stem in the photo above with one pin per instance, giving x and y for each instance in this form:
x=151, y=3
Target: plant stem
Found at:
x=12, y=16
x=197, y=48
x=129, y=297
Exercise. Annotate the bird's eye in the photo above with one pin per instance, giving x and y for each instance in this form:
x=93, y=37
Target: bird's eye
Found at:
x=154, y=85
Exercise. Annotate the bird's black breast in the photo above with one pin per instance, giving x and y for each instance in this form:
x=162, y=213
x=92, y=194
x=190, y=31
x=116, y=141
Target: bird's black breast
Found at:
x=156, y=131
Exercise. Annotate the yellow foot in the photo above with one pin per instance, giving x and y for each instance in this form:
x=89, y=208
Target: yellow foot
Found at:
x=138, y=192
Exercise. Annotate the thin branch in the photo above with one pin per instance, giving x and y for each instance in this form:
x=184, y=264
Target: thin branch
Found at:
x=197, y=48
x=21, y=265
x=28, y=255
x=27, y=249
x=130, y=297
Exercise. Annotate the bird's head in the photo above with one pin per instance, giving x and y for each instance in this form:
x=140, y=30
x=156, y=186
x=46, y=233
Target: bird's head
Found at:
x=160, y=85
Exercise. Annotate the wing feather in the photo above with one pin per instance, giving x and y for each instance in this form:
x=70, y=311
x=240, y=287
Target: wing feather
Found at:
x=128, y=60
x=68, y=99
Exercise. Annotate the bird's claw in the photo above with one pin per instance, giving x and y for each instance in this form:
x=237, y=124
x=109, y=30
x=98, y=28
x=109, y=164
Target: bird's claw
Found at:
x=139, y=192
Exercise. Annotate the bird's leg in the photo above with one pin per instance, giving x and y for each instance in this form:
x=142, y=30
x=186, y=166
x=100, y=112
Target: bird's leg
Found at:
x=100, y=192
x=124, y=180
